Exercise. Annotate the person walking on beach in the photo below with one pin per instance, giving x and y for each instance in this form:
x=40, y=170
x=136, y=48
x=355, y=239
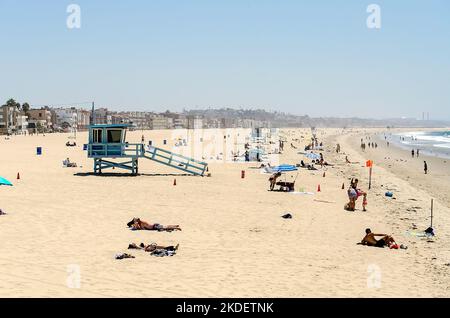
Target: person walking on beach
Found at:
x=425, y=167
x=412, y=153
x=417, y=153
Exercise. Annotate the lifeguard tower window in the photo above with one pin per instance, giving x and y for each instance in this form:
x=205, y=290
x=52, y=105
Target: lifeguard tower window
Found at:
x=97, y=136
x=114, y=136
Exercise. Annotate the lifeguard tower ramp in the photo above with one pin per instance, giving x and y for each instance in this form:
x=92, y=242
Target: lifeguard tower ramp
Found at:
x=176, y=161
x=107, y=142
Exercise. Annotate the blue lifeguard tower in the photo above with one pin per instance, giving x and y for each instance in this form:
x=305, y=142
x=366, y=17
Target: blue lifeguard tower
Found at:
x=108, y=142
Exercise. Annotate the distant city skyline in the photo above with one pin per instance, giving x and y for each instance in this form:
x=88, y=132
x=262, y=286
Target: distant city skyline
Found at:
x=315, y=58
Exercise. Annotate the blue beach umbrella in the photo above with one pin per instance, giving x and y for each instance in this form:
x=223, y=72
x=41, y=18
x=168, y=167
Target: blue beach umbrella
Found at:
x=3, y=181
x=312, y=156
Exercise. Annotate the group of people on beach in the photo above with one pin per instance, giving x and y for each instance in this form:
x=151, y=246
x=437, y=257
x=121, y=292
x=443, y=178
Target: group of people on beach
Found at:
x=136, y=224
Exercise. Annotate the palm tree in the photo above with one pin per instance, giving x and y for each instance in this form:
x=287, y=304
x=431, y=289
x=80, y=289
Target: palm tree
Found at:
x=25, y=107
x=12, y=103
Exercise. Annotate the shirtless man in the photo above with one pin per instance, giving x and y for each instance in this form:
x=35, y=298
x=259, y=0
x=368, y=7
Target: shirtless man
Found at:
x=370, y=239
x=137, y=225
x=273, y=180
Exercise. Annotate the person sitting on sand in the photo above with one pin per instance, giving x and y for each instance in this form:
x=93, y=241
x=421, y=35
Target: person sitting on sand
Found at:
x=370, y=240
x=352, y=197
x=137, y=225
x=2, y=213
x=69, y=164
x=273, y=180
x=346, y=160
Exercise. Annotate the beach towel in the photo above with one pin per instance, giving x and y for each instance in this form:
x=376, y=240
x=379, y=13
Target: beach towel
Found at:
x=302, y=193
x=162, y=253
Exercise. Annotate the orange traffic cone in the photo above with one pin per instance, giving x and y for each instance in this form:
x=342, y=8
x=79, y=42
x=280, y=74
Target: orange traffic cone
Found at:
x=318, y=188
x=18, y=176
x=175, y=182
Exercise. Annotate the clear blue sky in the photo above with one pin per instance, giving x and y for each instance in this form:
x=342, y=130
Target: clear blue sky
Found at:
x=304, y=57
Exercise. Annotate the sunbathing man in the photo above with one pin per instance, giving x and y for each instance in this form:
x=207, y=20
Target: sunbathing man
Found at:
x=137, y=225
x=370, y=240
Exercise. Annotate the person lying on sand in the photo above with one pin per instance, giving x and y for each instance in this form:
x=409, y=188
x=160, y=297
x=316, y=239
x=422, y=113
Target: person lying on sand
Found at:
x=2, y=213
x=152, y=247
x=137, y=225
x=124, y=256
x=370, y=240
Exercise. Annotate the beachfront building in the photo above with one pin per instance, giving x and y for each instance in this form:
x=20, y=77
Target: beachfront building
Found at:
x=103, y=116
x=40, y=118
x=8, y=119
x=180, y=122
x=160, y=122
x=83, y=119
x=22, y=124
x=194, y=122
x=137, y=119
x=65, y=119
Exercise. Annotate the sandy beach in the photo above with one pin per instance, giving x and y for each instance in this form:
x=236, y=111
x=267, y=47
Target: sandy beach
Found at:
x=64, y=225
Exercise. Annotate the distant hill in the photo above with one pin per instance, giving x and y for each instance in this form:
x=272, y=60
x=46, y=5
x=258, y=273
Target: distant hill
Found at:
x=281, y=119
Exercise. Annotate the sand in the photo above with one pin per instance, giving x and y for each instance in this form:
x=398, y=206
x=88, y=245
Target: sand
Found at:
x=64, y=227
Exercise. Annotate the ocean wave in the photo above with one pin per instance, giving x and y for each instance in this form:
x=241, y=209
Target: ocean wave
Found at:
x=447, y=145
x=443, y=139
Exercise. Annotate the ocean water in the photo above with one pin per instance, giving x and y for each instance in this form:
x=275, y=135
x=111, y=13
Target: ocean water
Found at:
x=432, y=143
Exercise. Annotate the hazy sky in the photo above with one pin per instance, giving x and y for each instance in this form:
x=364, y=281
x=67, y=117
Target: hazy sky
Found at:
x=304, y=57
